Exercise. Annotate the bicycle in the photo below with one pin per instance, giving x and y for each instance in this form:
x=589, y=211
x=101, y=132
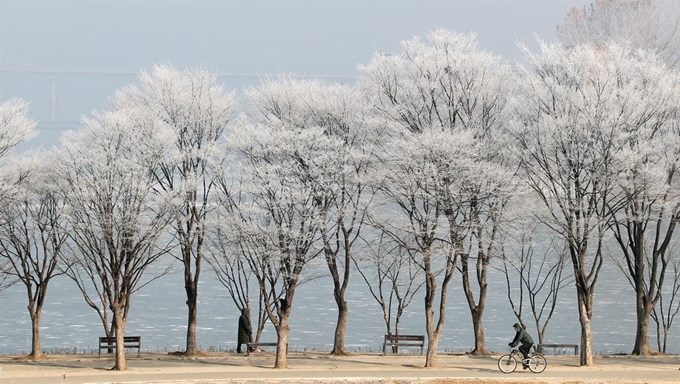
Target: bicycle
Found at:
x=508, y=363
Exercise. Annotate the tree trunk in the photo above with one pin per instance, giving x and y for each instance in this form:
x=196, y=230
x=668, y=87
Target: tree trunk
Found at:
x=476, y=310
x=192, y=303
x=432, y=337
x=431, y=357
x=480, y=348
x=586, y=358
x=339, y=289
x=120, y=344
x=432, y=334
x=339, y=342
x=641, y=346
x=282, y=344
x=191, y=281
x=36, y=351
x=643, y=300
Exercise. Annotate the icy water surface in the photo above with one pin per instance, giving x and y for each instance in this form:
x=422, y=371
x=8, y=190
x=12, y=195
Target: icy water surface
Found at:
x=159, y=315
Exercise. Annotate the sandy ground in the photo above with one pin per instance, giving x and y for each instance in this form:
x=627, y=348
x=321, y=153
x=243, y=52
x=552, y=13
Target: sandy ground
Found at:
x=320, y=367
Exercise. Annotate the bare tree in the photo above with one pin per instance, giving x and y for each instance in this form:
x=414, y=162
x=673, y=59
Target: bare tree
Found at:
x=198, y=111
x=392, y=277
x=539, y=278
x=233, y=272
x=32, y=234
x=116, y=219
x=663, y=314
x=647, y=24
x=6, y=279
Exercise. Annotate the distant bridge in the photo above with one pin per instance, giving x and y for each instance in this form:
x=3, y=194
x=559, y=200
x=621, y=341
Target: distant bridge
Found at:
x=10, y=65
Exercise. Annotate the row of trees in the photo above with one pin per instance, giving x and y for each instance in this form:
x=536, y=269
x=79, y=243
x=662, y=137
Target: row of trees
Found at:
x=433, y=163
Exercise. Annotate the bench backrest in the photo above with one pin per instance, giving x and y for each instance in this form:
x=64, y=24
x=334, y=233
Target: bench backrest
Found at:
x=126, y=339
x=393, y=338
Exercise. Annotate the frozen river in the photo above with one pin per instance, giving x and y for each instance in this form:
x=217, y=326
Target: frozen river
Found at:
x=159, y=313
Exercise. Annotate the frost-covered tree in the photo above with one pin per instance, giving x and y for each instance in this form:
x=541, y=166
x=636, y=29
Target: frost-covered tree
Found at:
x=644, y=228
x=276, y=226
x=198, y=111
x=647, y=24
x=576, y=111
x=32, y=233
x=444, y=99
x=116, y=219
x=15, y=127
x=340, y=114
x=646, y=224
x=408, y=210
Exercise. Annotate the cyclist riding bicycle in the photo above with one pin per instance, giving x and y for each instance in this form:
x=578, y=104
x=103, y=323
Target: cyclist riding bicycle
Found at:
x=522, y=336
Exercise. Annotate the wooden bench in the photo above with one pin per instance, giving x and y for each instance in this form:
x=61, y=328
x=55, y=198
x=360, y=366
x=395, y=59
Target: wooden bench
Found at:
x=250, y=346
x=558, y=346
x=128, y=342
x=403, y=341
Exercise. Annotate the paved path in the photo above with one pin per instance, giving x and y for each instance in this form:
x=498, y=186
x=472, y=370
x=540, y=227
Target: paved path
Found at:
x=319, y=367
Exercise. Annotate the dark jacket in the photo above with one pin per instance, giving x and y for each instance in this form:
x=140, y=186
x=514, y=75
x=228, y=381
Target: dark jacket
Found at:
x=244, y=329
x=523, y=337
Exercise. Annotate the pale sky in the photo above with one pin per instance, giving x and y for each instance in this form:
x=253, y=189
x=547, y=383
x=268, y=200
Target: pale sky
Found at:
x=251, y=37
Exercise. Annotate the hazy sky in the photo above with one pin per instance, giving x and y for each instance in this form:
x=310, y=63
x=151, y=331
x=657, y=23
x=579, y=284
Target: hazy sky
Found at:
x=253, y=37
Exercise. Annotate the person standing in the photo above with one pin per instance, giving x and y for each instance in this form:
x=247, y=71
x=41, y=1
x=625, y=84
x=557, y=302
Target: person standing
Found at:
x=245, y=331
x=522, y=336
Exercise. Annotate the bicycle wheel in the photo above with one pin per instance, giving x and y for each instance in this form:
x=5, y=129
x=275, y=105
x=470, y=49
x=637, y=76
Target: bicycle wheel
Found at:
x=537, y=364
x=507, y=363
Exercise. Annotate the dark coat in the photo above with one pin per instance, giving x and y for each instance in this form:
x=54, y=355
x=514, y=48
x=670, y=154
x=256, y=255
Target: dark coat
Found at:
x=523, y=337
x=245, y=331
